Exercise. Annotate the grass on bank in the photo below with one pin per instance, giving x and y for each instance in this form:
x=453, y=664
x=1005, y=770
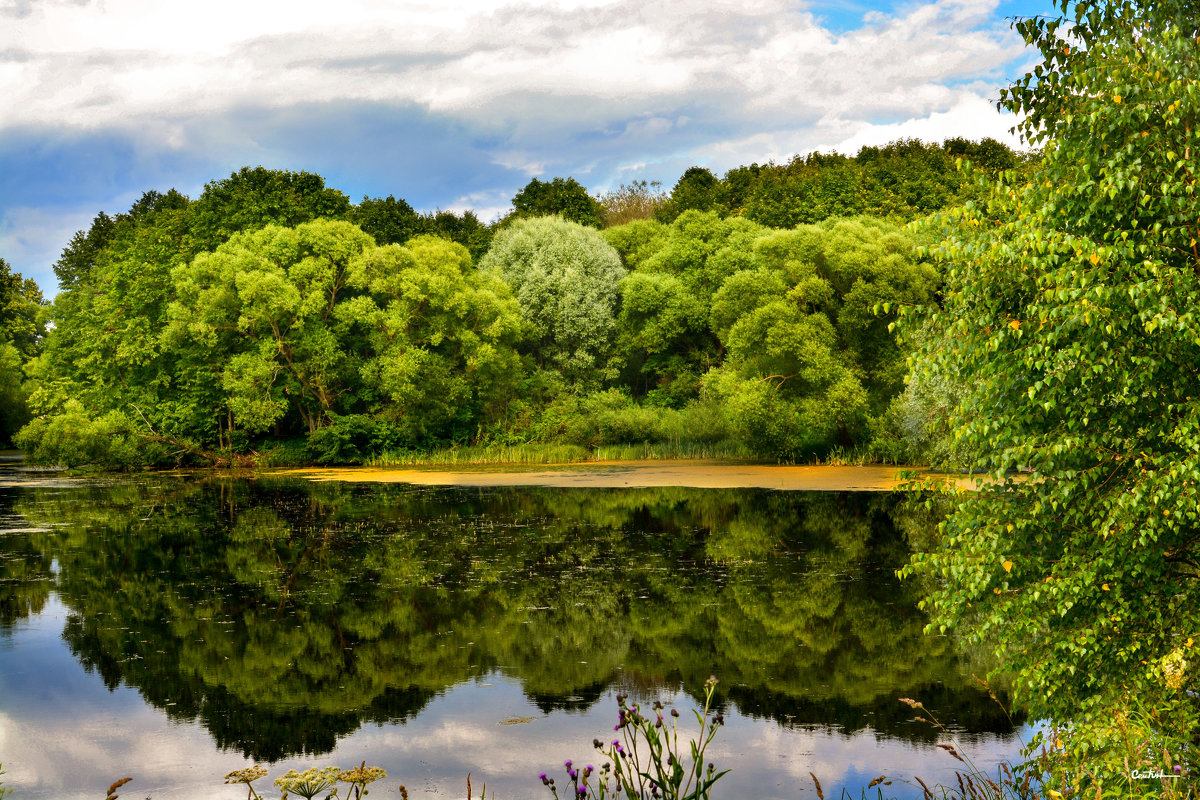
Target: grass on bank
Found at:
x=562, y=454
x=295, y=454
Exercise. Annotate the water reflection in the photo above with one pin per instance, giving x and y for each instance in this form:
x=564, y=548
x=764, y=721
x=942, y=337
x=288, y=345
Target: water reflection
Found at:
x=284, y=615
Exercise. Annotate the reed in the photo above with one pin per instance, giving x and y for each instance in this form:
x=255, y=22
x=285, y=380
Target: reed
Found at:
x=537, y=453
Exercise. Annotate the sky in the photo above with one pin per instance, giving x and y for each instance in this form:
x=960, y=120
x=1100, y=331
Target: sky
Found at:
x=457, y=104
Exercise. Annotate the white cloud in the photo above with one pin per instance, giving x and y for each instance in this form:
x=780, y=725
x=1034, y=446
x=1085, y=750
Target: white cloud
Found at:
x=488, y=206
x=442, y=101
x=118, y=62
x=971, y=117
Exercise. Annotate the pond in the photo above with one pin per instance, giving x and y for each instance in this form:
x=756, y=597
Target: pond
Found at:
x=174, y=628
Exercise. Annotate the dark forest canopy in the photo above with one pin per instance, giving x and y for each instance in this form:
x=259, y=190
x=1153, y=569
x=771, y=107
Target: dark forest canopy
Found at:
x=271, y=315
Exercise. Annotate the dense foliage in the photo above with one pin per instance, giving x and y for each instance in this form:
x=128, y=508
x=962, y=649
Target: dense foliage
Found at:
x=1070, y=325
x=272, y=319
x=21, y=332
x=905, y=179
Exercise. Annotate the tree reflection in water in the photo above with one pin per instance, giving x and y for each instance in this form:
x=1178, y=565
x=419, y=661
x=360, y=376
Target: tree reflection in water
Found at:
x=285, y=614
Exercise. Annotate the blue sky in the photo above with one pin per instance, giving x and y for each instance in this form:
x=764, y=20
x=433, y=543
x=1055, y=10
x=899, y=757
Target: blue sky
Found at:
x=457, y=104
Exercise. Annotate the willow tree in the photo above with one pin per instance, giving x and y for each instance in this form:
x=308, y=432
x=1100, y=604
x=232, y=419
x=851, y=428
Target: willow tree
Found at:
x=1070, y=311
x=304, y=326
x=565, y=278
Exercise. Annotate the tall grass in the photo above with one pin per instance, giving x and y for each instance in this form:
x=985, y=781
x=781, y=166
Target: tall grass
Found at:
x=538, y=453
x=528, y=453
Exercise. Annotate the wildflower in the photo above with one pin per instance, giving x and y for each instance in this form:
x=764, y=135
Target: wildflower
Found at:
x=247, y=776
x=360, y=776
x=310, y=783
x=545, y=780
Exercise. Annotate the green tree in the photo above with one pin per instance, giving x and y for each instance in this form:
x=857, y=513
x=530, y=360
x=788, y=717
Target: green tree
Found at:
x=808, y=364
x=314, y=324
x=565, y=197
x=388, y=220
x=104, y=353
x=252, y=198
x=22, y=329
x=565, y=278
x=443, y=341
x=696, y=190
x=269, y=309
x=810, y=189
x=1070, y=315
x=636, y=241
x=14, y=407
x=79, y=256
x=465, y=229
x=662, y=327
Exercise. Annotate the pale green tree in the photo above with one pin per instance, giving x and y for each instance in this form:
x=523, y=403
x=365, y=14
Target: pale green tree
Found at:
x=565, y=277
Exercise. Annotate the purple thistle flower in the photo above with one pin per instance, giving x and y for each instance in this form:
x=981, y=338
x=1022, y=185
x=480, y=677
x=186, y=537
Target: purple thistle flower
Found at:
x=567, y=763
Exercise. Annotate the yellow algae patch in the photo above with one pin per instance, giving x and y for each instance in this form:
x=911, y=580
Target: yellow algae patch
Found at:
x=641, y=474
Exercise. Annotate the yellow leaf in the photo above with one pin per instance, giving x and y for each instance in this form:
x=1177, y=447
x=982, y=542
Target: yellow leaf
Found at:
x=1189, y=641
x=1095, y=259
x=1104, y=586
x=995, y=590
x=1015, y=324
x=1007, y=566
x=1117, y=99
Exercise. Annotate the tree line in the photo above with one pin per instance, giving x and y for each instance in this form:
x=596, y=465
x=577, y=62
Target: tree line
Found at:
x=272, y=319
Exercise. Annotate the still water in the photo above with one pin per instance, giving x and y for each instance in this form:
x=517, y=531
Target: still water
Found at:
x=176, y=628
